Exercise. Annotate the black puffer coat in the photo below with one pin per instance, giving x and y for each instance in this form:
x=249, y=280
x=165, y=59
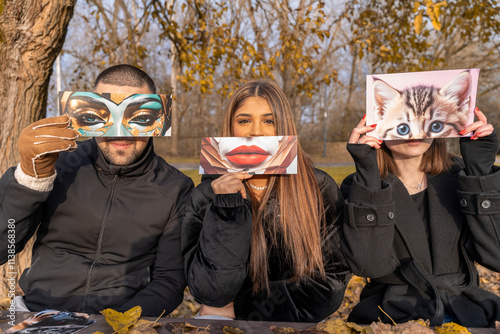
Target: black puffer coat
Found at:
x=216, y=236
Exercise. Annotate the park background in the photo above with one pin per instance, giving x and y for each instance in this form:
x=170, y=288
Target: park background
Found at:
x=200, y=51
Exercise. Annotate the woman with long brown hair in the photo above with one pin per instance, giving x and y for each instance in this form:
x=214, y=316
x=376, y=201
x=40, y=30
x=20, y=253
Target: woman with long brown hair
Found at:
x=265, y=247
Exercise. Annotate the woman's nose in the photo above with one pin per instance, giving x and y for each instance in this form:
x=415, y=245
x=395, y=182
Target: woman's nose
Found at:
x=256, y=130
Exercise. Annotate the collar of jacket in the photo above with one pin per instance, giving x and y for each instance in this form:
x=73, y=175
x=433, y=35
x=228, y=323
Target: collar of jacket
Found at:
x=137, y=168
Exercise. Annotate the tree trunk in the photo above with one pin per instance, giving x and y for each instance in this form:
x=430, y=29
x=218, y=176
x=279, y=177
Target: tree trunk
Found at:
x=32, y=33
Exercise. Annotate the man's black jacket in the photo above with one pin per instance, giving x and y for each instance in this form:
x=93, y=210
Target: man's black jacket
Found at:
x=108, y=236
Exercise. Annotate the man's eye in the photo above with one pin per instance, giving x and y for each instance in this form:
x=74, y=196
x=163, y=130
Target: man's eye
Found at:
x=143, y=120
x=89, y=119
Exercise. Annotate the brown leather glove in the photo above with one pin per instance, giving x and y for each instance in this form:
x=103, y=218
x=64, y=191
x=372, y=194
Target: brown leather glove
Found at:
x=40, y=143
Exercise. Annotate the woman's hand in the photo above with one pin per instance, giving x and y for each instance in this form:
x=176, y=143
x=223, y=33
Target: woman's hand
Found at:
x=480, y=128
x=231, y=183
x=358, y=135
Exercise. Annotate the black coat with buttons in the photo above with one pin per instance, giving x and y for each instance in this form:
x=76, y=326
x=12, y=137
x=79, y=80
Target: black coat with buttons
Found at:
x=412, y=275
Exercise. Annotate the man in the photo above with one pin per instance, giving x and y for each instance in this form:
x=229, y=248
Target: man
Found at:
x=108, y=215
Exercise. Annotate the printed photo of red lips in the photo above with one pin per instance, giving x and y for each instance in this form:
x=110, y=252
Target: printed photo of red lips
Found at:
x=258, y=155
x=246, y=156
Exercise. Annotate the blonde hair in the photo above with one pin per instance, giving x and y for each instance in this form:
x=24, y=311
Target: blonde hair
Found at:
x=299, y=217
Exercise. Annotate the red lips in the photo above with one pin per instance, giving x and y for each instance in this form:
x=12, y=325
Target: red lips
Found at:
x=247, y=156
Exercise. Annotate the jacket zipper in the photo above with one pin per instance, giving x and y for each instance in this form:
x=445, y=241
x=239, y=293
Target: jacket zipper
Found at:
x=99, y=241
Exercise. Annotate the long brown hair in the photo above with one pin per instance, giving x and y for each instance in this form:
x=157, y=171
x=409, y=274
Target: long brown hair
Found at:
x=434, y=161
x=299, y=218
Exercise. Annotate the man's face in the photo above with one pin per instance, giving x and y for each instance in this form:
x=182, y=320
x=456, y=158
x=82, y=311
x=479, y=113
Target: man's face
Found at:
x=122, y=151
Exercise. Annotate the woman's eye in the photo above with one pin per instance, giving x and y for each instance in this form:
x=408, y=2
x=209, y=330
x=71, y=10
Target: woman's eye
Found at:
x=403, y=129
x=437, y=126
x=269, y=121
x=143, y=120
x=88, y=119
x=243, y=121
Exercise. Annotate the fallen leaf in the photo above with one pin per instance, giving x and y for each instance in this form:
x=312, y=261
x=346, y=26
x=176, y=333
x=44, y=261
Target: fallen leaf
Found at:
x=411, y=327
x=186, y=328
x=121, y=322
x=451, y=328
x=232, y=330
x=337, y=326
x=144, y=326
x=290, y=330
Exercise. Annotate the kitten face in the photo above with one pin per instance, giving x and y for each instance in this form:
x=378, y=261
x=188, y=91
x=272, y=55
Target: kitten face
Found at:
x=420, y=112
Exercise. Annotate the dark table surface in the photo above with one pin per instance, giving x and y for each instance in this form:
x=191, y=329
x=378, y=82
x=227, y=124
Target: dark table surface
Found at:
x=215, y=326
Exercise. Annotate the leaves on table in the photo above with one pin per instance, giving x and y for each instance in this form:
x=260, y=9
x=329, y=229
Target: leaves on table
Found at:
x=337, y=326
x=411, y=327
x=144, y=326
x=451, y=328
x=187, y=328
x=290, y=330
x=232, y=330
x=121, y=322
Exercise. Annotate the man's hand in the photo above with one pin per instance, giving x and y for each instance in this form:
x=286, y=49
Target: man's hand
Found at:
x=40, y=143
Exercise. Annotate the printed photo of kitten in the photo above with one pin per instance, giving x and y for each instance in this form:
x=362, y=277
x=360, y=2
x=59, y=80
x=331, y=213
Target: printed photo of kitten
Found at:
x=424, y=109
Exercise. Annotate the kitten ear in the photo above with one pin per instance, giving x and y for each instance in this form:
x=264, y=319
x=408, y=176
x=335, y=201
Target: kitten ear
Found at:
x=458, y=88
x=382, y=95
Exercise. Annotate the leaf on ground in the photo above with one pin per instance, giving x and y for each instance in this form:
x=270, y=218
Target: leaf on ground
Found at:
x=98, y=332
x=232, y=330
x=451, y=328
x=121, y=322
x=144, y=326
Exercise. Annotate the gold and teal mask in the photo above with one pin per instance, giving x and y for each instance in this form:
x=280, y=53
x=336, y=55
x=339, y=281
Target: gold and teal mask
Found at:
x=117, y=115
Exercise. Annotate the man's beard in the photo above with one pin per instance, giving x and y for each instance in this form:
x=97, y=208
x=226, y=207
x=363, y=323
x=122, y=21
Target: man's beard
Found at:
x=121, y=157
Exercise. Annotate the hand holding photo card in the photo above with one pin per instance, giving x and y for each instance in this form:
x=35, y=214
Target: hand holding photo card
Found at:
x=117, y=115
x=420, y=105
x=262, y=155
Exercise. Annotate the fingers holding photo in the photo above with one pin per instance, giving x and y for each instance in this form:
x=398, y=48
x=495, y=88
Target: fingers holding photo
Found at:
x=231, y=183
x=358, y=134
x=480, y=128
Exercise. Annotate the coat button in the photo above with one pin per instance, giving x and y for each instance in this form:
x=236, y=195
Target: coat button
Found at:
x=390, y=215
x=463, y=202
x=370, y=217
x=486, y=204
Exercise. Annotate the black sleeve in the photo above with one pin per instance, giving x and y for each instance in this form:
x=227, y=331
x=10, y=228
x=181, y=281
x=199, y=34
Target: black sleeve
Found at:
x=312, y=299
x=479, y=155
x=365, y=159
x=166, y=290
x=21, y=209
x=480, y=203
x=216, y=237
x=369, y=218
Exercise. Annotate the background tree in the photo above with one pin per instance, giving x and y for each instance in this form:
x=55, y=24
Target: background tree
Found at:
x=32, y=34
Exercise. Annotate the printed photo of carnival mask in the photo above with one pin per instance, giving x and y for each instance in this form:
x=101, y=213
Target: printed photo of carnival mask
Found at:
x=117, y=115
x=262, y=155
x=419, y=105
